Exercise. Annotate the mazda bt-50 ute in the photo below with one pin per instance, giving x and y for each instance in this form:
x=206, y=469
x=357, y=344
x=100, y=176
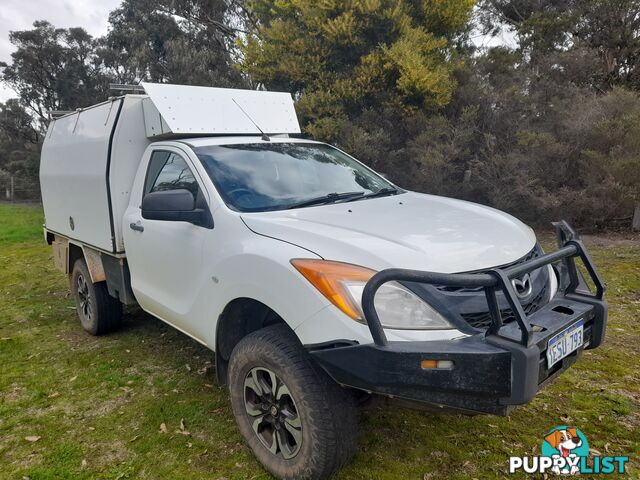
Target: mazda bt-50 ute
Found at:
x=316, y=281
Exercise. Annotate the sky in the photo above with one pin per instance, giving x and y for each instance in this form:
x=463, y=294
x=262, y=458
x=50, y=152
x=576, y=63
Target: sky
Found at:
x=20, y=14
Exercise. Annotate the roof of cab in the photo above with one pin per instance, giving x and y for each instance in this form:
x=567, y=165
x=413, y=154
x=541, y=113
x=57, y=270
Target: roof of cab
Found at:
x=240, y=139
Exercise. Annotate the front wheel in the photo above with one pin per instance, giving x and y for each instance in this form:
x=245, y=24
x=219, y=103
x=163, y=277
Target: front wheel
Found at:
x=298, y=422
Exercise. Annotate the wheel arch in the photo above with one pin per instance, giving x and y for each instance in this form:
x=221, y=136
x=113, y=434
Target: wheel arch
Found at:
x=240, y=317
x=75, y=253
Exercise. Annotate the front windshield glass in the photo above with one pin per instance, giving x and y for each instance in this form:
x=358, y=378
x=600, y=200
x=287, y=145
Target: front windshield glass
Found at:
x=260, y=177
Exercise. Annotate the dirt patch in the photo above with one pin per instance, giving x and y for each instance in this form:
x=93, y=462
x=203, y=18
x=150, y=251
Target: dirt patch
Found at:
x=17, y=460
x=13, y=394
x=106, y=454
x=108, y=406
x=612, y=240
x=79, y=340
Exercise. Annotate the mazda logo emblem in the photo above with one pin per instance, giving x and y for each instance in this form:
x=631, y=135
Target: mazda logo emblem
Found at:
x=522, y=285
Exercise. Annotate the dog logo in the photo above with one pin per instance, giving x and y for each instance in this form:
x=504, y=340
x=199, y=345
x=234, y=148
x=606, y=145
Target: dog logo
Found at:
x=522, y=285
x=567, y=443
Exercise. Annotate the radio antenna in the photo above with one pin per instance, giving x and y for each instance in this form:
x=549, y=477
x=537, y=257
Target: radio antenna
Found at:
x=265, y=137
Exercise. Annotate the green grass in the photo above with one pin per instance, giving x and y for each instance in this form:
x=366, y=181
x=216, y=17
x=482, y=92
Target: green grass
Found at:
x=19, y=223
x=97, y=403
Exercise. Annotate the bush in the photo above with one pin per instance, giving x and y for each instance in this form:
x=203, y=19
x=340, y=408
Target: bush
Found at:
x=580, y=161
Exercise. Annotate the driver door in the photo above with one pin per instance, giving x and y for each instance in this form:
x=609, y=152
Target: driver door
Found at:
x=165, y=257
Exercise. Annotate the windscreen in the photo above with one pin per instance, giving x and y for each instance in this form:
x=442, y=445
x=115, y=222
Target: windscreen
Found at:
x=275, y=176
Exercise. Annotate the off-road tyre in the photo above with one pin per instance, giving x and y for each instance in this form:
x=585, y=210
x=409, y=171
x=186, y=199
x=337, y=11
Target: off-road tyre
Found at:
x=98, y=311
x=326, y=412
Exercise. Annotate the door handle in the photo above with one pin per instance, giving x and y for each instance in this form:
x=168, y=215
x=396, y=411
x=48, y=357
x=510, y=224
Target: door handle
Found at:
x=136, y=226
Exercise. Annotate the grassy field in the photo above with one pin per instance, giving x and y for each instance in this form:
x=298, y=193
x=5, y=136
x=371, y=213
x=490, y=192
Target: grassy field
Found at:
x=76, y=406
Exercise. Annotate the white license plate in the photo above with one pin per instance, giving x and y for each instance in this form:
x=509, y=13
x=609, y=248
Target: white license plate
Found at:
x=564, y=343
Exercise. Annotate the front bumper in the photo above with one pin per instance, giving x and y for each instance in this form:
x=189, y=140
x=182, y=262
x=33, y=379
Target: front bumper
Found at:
x=491, y=371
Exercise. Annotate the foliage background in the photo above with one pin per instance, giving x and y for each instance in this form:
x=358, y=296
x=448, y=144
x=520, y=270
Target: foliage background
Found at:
x=549, y=128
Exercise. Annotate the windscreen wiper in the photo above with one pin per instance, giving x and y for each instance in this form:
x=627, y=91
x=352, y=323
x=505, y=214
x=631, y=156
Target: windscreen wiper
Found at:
x=383, y=192
x=328, y=198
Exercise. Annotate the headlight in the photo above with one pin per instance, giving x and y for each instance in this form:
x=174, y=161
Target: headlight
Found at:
x=553, y=282
x=342, y=284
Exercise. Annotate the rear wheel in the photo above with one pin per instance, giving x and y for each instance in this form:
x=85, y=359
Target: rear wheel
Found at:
x=298, y=422
x=98, y=311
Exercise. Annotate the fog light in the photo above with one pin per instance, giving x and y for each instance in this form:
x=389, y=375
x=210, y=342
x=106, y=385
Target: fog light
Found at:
x=438, y=364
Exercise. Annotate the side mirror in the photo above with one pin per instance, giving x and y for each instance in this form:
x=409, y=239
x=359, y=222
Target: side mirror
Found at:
x=175, y=206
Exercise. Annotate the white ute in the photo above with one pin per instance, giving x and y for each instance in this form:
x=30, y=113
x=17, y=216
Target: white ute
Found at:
x=316, y=281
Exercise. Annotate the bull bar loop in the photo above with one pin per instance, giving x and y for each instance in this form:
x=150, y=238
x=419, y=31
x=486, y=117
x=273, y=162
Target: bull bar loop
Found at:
x=491, y=281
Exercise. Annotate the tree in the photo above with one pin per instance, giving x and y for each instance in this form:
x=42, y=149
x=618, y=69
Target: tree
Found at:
x=340, y=58
x=593, y=43
x=185, y=41
x=19, y=149
x=54, y=69
x=545, y=130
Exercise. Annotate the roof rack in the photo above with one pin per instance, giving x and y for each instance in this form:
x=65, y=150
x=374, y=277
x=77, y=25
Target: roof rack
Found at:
x=59, y=113
x=184, y=110
x=124, y=88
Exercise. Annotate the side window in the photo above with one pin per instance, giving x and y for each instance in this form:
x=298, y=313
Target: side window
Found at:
x=169, y=171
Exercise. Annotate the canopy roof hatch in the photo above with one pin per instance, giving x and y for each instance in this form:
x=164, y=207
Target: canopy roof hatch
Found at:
x=186, y=110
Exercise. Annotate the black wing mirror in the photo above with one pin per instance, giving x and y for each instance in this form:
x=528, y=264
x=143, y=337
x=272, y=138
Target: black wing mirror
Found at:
x=175, y=206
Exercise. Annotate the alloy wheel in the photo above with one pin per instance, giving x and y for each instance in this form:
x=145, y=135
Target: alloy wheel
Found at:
x=84, y=297
x=272, y=412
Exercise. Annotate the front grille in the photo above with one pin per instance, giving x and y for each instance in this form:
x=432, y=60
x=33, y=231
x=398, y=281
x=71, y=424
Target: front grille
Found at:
x=532, y=254
x=482, y=320
x=463, y=299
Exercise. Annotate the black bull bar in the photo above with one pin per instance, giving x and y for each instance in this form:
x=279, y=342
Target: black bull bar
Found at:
x=494, y=369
